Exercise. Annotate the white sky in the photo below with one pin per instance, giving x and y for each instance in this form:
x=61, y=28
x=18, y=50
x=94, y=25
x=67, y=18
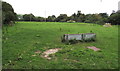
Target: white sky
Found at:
x=46, y=8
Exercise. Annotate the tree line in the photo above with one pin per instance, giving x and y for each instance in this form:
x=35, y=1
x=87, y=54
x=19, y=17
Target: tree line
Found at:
x=76, y=17
x=101, y=18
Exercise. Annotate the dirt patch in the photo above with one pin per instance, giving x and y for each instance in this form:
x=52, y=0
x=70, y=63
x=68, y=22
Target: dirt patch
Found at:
x=34, y=55
x=50, y=51
x=37, y=52
x=93, y=48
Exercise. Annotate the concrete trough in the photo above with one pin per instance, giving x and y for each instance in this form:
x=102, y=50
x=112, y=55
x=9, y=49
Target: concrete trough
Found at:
x=89, y=37
x=79, y=37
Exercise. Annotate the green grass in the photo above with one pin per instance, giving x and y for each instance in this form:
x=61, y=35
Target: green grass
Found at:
x=24, y=38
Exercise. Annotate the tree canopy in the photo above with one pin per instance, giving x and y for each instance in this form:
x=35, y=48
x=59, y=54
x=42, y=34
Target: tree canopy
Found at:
x=114, y=19
x=8, y=13
x=29, y=17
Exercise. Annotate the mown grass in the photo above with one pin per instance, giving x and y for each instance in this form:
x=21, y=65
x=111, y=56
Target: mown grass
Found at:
x=24, y=38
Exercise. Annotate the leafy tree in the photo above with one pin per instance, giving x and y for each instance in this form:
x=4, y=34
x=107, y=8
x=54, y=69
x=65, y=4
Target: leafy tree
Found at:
x=73, y=17
x=26, y=17
x=104, y=17
x=51, y=18
x=9, y=16
x=114, y=19
x=6, y=7
x=82, y=18
x=29, y=17
x=89, y=18
x=94, y=18
x=62, y=18
x=8, y=13
x=40, y=19
x=79, y=13
x=79, y=17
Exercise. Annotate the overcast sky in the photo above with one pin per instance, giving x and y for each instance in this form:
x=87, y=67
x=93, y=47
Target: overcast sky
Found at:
x=46, y=8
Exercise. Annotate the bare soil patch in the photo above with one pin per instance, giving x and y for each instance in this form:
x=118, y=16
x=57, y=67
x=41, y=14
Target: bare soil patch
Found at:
x=37, y=52
x=48, y=52
x=93, y=48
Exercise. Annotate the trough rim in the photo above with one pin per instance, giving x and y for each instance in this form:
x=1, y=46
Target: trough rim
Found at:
x=79, y=34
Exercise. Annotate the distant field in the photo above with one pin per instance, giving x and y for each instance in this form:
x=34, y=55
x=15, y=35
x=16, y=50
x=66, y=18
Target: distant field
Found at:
x=24, y=38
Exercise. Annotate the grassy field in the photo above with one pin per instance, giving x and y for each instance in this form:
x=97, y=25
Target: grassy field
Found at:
x=24, y=38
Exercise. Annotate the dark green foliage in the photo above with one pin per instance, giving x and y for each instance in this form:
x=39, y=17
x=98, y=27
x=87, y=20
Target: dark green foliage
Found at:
x=94, y=18
x=51, y=18
x=62, y=18
x=79, y=17
x=104, y=18
x=29, y=17
x=73, y=17
x=40, y=19
x=104, y=15
x=114, y=19
x=8, y=13
x=9, y=16
x=6, y=7
x=100, y=18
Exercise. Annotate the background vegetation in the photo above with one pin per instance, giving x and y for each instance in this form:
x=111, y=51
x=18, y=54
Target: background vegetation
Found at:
x=101, y=18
